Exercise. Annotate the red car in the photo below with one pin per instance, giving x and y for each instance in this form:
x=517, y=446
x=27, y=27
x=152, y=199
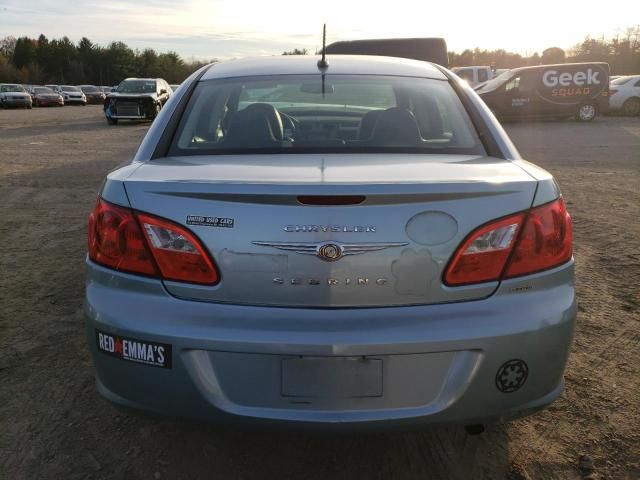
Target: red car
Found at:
x=94, y=94
x=44, y=96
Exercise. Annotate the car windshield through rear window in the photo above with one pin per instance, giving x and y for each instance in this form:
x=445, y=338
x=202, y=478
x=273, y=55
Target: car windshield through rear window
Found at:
x=621, y=80
x=11, y=88
x=137, y=86
x=343, y=113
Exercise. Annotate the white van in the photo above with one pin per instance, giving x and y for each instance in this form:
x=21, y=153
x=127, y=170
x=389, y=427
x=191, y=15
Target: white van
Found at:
x=475, y=74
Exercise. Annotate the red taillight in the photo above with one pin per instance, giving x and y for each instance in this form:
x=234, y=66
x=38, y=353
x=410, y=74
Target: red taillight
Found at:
x=141, y=243
x=482, y=256
x=116, y=241
x=545, y=242
x=517, y=245
x=178, y=253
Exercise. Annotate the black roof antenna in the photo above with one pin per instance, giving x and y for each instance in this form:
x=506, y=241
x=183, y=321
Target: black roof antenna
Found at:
x=322, y=63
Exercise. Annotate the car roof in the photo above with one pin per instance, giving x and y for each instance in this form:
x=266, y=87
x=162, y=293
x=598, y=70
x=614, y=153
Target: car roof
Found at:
x=338, y=64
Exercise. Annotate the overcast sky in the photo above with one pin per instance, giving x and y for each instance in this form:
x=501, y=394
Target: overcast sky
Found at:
x=225, y=29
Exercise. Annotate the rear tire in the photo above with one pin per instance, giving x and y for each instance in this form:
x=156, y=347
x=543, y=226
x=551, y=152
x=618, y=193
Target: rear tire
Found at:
x=586, y=112
x=112, y=121
x=631, y=107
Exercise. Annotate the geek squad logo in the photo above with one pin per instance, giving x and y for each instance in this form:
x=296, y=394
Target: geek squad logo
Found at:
x=569, y=84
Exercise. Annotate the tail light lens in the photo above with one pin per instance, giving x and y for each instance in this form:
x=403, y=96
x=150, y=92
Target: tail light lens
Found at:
x=545, y=242
x=178, y=253
x=116, y=241
x=611, y=92
x=139, y=243
x=517, y=245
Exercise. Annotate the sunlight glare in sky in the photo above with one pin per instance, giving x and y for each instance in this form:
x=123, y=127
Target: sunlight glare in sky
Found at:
x=223, y=29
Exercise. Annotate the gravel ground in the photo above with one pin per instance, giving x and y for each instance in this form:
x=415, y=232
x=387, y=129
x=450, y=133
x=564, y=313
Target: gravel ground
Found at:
x=53, y=424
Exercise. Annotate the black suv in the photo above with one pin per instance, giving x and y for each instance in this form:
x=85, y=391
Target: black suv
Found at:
x=136, y=99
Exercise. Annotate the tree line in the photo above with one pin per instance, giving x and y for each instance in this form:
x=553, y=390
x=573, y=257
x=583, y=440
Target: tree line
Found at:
x=622, y=53
x=60, y=61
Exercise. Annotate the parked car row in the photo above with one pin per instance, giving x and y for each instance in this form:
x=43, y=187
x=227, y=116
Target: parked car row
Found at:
x=27, y=96
x=14, y=95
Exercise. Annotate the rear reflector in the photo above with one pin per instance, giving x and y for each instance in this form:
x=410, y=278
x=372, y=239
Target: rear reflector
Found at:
x=132, y=242
x=520, y=244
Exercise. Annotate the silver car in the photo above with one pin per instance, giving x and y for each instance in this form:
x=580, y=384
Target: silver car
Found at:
x=71, y=94
x=357, y=244
x=14, y=95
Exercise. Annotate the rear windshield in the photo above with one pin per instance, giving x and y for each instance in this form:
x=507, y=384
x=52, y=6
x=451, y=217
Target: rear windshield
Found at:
x=496, y=82
x=11, y=88
x=620, y=81
x=343, y=113
x=137, y=86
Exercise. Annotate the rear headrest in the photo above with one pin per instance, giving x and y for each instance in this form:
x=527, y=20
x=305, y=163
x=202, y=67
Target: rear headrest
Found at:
x=396, y=127
x=368, y=123
x=259, y=125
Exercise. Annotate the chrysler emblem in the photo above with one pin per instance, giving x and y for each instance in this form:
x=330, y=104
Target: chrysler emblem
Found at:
x=330, y=251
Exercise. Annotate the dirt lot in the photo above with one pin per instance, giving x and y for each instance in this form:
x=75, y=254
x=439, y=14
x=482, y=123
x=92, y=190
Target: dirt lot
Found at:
x=54, y=425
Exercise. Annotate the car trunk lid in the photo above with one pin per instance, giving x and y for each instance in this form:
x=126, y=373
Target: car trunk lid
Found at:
x=331, y=230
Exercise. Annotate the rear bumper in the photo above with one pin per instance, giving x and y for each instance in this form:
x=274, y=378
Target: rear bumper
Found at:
x=439, y=363
x=47, y=101
x=15, y=102
x=127, y=117
x=95, y=100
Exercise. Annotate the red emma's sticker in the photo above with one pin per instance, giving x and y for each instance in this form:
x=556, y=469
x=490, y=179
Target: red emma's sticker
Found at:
x=134, y=350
